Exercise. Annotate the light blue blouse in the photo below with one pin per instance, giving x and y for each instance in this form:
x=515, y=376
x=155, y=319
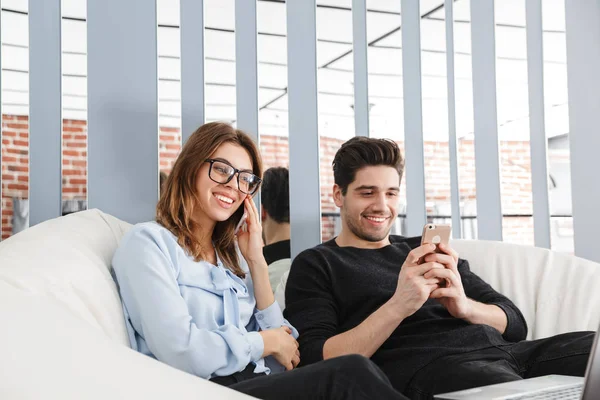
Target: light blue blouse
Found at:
x=194, y=316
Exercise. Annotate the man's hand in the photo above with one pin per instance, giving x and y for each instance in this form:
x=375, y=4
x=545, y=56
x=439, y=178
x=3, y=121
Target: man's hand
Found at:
x=451, y=295
x=414, y=285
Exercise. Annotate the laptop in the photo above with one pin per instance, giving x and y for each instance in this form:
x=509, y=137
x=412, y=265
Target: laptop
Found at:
x=547, y=387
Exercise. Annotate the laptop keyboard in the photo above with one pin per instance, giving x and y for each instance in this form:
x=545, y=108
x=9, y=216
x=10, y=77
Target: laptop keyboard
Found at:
x=568, y=393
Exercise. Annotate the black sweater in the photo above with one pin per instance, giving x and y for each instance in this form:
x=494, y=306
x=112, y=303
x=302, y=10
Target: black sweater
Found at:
x=332, y=289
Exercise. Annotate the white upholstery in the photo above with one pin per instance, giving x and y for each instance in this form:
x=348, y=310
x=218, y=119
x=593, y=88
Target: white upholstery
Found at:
x=277, y=269
x=280, y=290
x=62, y=332
x=556, y=292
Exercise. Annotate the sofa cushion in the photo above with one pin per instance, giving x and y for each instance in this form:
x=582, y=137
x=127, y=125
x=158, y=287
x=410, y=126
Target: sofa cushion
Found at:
x=68, y=260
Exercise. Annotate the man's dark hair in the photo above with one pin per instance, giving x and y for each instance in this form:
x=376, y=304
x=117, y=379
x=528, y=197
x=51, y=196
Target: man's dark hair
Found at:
x=275, y=193
x=360, y=152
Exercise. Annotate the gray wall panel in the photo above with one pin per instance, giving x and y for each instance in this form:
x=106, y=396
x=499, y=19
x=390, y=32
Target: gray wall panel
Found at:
x=583, y=64
x=45, y=110
x=122, y=108
x=452, y=140
x=361, y=72
x=539, y=142
x=192, y=66
x=487, y=161
x=246, y=67
x=413, y=118
x=305, y=198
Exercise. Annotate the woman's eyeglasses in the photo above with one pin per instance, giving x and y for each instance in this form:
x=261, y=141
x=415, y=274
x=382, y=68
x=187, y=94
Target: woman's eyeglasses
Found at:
x=223, y=172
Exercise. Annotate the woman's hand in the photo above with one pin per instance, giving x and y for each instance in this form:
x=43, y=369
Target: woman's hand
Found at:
x=250, y=239
x=280, y=344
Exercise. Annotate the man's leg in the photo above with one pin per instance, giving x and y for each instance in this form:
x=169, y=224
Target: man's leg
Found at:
x=565, y=354
x=462, y=371
x=347, y=377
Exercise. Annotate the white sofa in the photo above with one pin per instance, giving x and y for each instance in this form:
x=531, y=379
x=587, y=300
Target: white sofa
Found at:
x=62, y=334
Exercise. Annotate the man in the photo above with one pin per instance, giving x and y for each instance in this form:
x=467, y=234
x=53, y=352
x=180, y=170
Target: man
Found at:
x=275, y=200
x=431, y=326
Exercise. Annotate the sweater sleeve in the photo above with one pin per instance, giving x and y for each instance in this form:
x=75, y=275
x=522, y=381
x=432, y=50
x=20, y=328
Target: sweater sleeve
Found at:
x=150, y=292
x=310, y=304
x=478, y=290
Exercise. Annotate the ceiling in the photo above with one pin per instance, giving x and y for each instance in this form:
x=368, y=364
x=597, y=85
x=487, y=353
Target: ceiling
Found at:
x=335, y=73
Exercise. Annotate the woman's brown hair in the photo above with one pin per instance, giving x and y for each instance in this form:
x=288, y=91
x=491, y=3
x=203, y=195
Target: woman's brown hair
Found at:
x=178, y=199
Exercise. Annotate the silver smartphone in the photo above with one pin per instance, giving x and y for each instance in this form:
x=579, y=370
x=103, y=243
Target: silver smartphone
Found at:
x=239, y=225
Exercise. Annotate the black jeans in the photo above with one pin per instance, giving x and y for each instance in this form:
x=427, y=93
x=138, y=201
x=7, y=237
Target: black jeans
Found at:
x=565, y=354
x=348, y=377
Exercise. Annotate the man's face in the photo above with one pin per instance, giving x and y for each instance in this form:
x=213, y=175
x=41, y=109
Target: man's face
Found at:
x=369, y=208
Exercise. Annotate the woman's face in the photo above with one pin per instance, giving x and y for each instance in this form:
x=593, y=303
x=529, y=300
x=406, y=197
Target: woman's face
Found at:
x=218, y=201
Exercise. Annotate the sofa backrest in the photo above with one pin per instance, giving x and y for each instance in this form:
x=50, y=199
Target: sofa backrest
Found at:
x=68, y=260
x=556, y=292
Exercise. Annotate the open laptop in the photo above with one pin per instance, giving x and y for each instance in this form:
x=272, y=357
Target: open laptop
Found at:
x=545, y=387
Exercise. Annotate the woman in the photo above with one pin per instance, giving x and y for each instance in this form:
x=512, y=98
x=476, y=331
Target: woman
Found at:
x=196, y=295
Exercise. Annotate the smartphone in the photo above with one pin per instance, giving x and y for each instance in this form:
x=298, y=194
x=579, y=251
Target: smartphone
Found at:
x=436, y=234
x=239, y=225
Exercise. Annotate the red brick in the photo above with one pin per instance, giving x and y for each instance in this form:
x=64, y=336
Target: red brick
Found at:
x=75, y=122
x=24, y=135
x=17, y=186
x=7, y=159
x=76, y=129
x=79, y=163
x=71, y=172
x=74, y=181
x=169, y=129
x=20, y=168
x=80, y=137
x=23, y=178
x=76, y=144
x=71, y=153
x=20, y=143
x=6, y=177
x=70, y=190
x=9, y=133
x=17, y=151
x=17, y=126
x=173, y=146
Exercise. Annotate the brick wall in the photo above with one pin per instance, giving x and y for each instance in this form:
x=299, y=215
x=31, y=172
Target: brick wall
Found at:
x=15, y=161
x=515, y=170
x=74, y=161
x=515, y=161
x=15, y=166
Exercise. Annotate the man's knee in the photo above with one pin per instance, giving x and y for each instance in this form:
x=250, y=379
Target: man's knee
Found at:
x=356, y=365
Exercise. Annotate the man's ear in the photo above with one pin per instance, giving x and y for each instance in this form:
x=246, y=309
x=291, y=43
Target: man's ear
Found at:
x=338, y=197
x=263, y=214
